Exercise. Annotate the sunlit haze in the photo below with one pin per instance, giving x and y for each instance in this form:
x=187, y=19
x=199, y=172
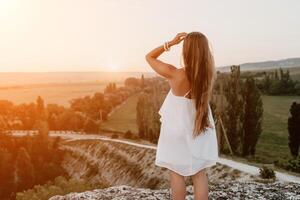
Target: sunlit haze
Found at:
x=115, y=35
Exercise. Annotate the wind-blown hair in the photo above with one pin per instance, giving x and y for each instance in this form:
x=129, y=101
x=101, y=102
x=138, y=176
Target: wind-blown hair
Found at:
x=200, y=70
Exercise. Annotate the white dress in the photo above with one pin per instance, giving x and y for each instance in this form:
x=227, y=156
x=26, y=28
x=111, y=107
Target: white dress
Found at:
x=176, y=148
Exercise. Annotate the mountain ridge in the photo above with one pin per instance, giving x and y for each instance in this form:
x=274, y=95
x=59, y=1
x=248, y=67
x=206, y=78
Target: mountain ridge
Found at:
x=269, y=64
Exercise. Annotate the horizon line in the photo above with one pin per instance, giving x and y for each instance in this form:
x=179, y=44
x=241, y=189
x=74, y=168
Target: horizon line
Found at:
x=111, y=71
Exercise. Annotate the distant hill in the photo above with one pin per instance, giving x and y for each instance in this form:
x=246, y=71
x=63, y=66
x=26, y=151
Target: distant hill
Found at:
x=265, y=65
x=28, y=78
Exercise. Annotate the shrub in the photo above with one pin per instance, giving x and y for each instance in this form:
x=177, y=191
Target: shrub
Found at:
x=128, y=135
x=60, y=186
x=292, y=164
x=267, y=173
x=114, y=136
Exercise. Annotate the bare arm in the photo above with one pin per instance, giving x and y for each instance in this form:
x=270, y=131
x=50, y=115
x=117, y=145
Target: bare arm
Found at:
x=164, y=69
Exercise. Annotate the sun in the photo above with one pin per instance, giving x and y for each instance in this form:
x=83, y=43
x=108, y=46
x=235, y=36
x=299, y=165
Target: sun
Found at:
x=115, y=67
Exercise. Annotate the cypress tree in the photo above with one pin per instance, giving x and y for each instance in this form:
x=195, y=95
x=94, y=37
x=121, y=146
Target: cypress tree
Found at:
x=234, y=109
x=294, y=129
x=252, y=120
x=40, y=108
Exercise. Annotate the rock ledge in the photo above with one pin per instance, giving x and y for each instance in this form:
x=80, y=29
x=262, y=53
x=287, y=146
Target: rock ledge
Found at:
x=223, y=190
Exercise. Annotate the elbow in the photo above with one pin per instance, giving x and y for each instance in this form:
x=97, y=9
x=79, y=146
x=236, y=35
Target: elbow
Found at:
x=148, y=58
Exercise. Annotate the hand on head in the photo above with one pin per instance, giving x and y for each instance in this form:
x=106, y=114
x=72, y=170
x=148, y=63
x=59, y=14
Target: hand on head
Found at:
x=178, y=38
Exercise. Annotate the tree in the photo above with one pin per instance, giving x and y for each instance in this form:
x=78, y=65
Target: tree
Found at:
x=266, y=82
x=132, y=82
x=294, y=129
x=111, y=87
x=90, y=126
x=252, y=121
x=40, y=107
x=42, y=127
x=27, y=113
x=54, y=111
x=148, y=119
x=24, y=170
x=234, y=110
x=142, y=81
x=7, y=180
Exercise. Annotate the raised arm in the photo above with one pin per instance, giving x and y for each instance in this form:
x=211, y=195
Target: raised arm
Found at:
x=164, y=69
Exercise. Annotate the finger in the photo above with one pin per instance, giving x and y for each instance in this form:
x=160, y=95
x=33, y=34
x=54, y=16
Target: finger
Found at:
x=182, y=34
x=182, y=37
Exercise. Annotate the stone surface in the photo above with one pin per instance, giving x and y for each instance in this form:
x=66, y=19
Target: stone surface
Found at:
x=218, y=191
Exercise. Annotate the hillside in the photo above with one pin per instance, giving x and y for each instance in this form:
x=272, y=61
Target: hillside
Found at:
x=126, y=169
x=130, y=173
x=265, y=65
x=113, y=163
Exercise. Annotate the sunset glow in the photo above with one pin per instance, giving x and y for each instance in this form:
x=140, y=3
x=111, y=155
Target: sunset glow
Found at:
x=76, y=35
x=6, y=8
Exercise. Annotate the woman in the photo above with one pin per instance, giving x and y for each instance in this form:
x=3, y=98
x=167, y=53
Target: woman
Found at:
x=187, y=143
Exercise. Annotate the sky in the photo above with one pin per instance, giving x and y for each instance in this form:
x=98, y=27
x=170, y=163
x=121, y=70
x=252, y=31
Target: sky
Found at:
x=115, y=35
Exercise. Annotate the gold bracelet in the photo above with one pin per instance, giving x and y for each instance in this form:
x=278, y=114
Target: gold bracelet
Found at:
x=166, y=46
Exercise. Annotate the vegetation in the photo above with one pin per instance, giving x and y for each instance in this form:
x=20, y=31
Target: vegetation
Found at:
x=114, y=136
x=85, y=114
x=149, y=103
x=292, y=164
x=110, y=88
x=59, y=186
x=234, y=109
x=123, y=118
x=267, y=173
x=273, y=142
x=294, y=129
x=133, y=82
x=36, y=159
x=28, y=161
x=252, y=119
x=242, y=112
x=278, y=82
x=128, y=135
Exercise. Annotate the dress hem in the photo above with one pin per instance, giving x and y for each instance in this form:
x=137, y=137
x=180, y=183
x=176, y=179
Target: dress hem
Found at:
x=212, y=163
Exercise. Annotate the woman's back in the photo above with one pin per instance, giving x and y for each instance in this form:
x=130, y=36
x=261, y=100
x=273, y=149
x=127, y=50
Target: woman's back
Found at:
x=179, y=83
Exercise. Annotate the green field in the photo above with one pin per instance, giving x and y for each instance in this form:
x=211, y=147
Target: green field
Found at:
x=124, y=117
x=273, y=142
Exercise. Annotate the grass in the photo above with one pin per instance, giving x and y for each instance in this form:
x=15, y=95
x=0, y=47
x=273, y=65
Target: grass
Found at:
x=124, y=118
x=273, y=142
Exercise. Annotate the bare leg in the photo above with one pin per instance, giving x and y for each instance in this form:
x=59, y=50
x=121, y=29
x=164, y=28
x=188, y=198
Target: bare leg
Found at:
x=178, y=188
x=200, y=183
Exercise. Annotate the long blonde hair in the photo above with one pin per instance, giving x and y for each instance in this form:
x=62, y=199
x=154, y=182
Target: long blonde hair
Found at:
x=200, y=71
